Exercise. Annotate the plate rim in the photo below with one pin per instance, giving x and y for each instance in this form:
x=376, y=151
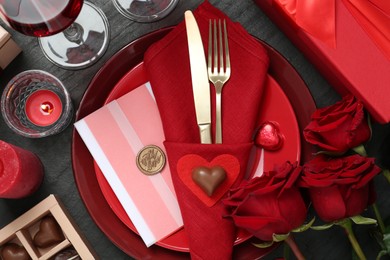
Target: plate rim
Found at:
x=79, y=114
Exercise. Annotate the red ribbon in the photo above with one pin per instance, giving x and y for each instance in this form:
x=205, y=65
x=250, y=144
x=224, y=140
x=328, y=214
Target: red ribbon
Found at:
x=374, y=17
x=318, y=18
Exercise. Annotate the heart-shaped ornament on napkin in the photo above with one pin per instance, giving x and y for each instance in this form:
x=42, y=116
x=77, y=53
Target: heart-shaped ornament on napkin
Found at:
x=49, y=233
x=269, y=136
x=188, y=163
x=13, y=251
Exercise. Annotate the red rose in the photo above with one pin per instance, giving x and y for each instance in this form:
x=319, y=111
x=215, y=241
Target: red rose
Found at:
x=339, y=187
x=339, y=127
x=270, y=204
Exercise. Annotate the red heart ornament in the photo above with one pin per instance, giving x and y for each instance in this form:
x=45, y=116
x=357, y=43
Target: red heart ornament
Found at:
x=13, y=251
x=269, y=136
x=189, y=162
x=209, y=178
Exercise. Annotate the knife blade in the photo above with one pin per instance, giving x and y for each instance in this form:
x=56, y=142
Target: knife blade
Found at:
x=260, y=166
x=199, y=78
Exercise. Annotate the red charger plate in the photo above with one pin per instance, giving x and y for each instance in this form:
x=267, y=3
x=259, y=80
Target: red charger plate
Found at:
x=96, y=95
x=275, y=107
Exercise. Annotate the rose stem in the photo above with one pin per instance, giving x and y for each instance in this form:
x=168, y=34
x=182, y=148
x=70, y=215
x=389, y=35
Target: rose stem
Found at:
x=286, y=251
x=379, y=218
x=386, y=173
x=294, y=247
x=347, y=225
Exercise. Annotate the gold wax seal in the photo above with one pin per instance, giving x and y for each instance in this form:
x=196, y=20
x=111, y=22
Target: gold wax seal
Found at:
x=151, y=160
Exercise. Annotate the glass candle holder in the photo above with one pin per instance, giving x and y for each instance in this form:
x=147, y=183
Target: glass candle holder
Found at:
x=36, y=104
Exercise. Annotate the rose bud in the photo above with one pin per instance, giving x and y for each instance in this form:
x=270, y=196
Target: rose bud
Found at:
x=339, y=187
x=270, y=204
x=339, y=127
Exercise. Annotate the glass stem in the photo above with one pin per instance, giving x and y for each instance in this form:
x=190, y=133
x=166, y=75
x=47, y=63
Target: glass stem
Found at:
x=74, y=33
x=146, y=1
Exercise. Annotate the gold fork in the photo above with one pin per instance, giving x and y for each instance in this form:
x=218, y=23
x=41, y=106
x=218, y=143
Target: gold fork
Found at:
x=218, y=67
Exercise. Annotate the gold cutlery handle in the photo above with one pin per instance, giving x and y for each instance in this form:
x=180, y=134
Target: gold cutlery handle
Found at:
x=205, y=133
x=218, y=116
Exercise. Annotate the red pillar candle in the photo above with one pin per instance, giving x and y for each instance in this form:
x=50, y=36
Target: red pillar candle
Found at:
x=43, y=107
x=21, y=171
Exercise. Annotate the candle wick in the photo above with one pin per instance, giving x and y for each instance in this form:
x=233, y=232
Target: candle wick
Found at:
x=46, y=108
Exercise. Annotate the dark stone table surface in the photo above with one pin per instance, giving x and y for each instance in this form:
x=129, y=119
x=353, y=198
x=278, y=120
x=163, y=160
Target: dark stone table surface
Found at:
x=55, y=151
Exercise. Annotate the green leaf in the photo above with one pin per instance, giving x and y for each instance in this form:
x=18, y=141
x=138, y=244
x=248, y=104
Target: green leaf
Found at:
x=380, y=254
x=332, y=154
x=360, y=220
x=304, y=227
x=386, y=241
x=264, y=244
x=322, y=227
x=343, y=222
x=386, y=174
x=280, y=237
x=378, y=236
x=360, y=150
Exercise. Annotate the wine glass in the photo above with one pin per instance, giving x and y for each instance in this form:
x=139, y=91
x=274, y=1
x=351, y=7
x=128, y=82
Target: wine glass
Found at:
x=145, y=10
x=73, y=34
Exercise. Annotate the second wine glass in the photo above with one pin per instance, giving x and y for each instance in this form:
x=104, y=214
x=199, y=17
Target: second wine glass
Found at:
x=73, y=34
x=145, y=10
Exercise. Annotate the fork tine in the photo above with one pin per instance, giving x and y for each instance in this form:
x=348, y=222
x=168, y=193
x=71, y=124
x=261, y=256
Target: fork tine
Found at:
x=218, y=67
x=227, y=55
x=220, y=42
x=215, y=39
x=210, y=52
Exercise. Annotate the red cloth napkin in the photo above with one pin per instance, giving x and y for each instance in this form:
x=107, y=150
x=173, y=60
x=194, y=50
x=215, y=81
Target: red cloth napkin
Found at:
x=211, y=236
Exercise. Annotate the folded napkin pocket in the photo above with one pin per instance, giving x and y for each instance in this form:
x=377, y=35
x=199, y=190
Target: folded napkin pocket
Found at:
x=203, y=173
x=207, y=170
x=203, y=213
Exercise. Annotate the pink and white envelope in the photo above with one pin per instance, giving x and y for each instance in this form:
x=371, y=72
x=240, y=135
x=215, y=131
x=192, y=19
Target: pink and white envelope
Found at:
x=114, y=134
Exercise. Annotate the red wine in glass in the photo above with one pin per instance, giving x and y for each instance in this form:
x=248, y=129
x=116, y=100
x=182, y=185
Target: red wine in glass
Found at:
x=40, y=17
x=73, y=34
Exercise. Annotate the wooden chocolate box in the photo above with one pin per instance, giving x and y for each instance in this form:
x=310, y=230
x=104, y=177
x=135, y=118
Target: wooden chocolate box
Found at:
x=44, y=232
x=8, y=49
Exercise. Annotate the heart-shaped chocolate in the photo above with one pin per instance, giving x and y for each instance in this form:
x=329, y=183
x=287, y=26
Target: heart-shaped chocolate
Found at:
x=66, y=254
x=269, y=136
x=12, y=251
x=49, y=233
x=208, y=179
x=189, y=162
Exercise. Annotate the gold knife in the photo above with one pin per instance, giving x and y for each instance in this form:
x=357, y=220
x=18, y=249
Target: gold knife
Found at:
x=199, y=78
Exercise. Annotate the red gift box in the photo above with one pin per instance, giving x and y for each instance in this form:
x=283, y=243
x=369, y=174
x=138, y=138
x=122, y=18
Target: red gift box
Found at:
x=357, y=63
